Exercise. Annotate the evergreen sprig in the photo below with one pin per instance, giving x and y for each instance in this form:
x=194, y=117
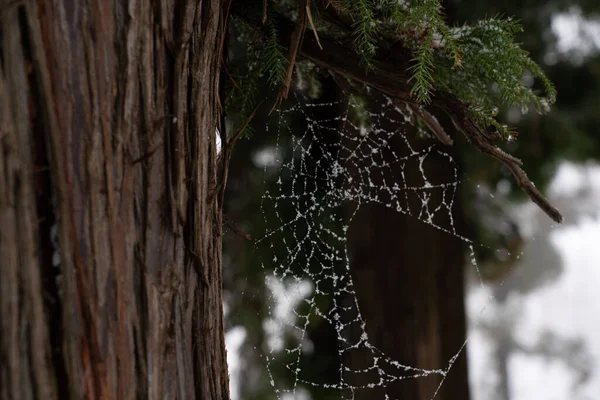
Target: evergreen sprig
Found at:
x=274, y=62
x=480, y=64
x=422, y=27
x=422, y=70
x=264, y=57
x=365, y=27
x=492, y=71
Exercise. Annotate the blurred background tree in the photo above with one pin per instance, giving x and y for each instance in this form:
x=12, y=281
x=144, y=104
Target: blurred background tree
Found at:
x=568, y=132
x=563, y=36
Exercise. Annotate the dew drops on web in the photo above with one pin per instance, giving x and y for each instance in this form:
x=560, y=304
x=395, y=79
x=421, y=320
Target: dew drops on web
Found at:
x=307, y=219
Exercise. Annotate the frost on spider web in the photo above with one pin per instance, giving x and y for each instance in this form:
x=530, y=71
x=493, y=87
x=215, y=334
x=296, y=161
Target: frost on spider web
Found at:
x=352, y=158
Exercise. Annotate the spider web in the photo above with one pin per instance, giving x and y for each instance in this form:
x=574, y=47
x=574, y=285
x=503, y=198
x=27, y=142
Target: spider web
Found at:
x=322, y=183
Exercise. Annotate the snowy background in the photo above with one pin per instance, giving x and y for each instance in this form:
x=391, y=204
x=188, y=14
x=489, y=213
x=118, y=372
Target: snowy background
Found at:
x=551, y=332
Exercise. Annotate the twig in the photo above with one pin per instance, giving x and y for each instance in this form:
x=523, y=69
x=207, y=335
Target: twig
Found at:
x=525, y=183
x=231, y=225
x=296, y=38
x=312, y=24
x=476, y=137
x=296, y=42
x=432, y=123
x=227, y=148
x=522, y=180
x=242, y=127
x=231, y=77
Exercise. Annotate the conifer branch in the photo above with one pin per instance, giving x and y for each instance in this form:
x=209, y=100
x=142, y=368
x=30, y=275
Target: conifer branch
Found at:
x=430, y=67
x=392, y=80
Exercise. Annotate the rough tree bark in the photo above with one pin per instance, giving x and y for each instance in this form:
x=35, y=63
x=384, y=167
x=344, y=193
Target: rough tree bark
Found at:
x=110, y=238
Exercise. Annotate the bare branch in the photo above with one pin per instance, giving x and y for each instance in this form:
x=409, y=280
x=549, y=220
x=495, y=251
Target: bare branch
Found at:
x=312, y=24
x=434, y=126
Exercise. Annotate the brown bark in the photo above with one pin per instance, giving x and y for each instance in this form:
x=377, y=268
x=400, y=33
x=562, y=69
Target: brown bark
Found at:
x=110, y=234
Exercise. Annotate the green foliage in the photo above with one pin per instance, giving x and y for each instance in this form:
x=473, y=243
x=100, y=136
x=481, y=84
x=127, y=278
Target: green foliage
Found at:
x=492, y=72
x=421, y=24
x=481, y=64
x=242, y=83
x=422, y=70
x=273, y=61
x=264, y=57
x=365, y=27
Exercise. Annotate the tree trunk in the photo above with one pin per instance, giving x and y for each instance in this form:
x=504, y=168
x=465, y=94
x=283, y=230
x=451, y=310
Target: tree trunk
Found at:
x=409, y=282
x=110, y=234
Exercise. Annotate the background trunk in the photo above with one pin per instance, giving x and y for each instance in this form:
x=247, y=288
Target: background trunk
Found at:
x=409, y=282
x=110, y=234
